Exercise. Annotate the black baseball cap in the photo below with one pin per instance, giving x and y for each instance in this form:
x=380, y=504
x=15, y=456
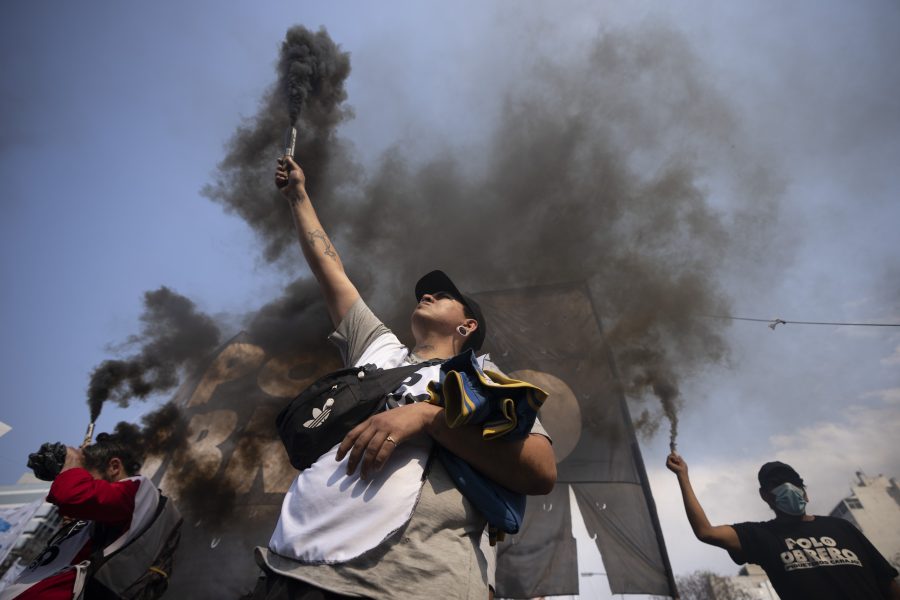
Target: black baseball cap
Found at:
x=773, y=474
x=438, y=281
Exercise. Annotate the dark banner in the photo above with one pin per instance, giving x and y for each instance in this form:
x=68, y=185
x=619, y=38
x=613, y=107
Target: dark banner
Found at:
x=551, y=336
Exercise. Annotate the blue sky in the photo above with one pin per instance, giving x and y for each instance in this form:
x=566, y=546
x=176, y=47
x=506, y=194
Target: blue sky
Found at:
x=115, y=115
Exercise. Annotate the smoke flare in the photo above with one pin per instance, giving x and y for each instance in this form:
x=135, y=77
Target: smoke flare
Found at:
x=316, y=67
x=174, y=336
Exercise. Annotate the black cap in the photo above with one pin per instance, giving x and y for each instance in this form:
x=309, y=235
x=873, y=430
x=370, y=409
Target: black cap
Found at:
x=773, y=474
x=438, y=281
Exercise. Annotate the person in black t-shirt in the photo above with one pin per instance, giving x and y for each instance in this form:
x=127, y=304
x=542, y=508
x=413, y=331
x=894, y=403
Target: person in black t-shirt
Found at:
x=805, y=556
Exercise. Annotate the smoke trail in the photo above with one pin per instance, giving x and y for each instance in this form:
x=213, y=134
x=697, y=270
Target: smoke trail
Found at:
x=174, y=336
x=312, y=71
x=162, y=431
x=297, y=321
x=664, y=388
x=243, y=182
x=165, y=431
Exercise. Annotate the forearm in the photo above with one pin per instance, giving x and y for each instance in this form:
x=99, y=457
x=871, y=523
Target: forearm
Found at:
x=526, y=466
x=318, y=250
x=696, y=515
x=723, y=536
x=322, y=257
x=78, y=495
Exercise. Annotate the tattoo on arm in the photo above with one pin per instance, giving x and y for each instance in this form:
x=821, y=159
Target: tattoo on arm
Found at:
x=318, y=234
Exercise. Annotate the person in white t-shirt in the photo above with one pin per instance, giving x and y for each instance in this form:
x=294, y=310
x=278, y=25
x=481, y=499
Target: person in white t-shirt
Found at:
x=373, y=517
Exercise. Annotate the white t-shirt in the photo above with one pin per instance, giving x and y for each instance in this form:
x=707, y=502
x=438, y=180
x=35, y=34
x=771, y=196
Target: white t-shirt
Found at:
x=333, y=529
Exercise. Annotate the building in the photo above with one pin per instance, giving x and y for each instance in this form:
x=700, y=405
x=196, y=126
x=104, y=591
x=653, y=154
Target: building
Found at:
x=42, y=526
x=751, y=583
x=873, y=506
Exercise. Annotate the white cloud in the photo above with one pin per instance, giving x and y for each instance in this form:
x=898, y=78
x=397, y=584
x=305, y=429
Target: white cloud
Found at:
x=888, y=396
x=827, y=454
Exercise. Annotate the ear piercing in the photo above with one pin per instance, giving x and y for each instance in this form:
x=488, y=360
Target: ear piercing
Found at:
x=462, y=331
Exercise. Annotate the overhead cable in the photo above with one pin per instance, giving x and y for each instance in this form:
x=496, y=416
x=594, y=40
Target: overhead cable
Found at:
x=775, y=322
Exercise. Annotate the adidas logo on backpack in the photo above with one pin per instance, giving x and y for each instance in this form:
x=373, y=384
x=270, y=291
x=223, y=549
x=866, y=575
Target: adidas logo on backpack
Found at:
x=319, y=415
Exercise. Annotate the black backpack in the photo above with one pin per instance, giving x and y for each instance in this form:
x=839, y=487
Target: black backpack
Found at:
x=139, y=570
x=324, y=412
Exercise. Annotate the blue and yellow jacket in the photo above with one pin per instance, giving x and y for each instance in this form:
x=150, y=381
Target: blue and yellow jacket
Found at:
x=502, y=407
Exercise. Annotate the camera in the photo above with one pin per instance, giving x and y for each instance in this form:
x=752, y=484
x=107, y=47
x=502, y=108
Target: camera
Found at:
x=48, y=461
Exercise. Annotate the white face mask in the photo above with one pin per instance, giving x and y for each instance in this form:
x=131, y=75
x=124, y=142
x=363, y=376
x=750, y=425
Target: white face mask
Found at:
x=790, y=499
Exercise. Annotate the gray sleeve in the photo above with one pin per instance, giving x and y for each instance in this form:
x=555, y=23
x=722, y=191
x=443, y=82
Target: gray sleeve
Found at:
x=539, y=429
x=356, y=331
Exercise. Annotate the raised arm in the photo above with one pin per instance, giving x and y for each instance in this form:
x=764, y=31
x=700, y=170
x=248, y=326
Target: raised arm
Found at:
x=78, y=495
x=321, y=256
x=723, y=536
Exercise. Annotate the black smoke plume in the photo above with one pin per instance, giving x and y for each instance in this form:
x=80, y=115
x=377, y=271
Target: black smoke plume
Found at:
x=597, y=169
x=312, y=72
x=174, y=336
x=162, y=431
x=165, y=432
x=243, y=184
x=297, y=321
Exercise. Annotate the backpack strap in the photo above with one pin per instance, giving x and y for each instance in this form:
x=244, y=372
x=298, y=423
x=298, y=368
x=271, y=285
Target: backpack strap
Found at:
x=344, y=399
x=81, y=577
x=388, y=380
